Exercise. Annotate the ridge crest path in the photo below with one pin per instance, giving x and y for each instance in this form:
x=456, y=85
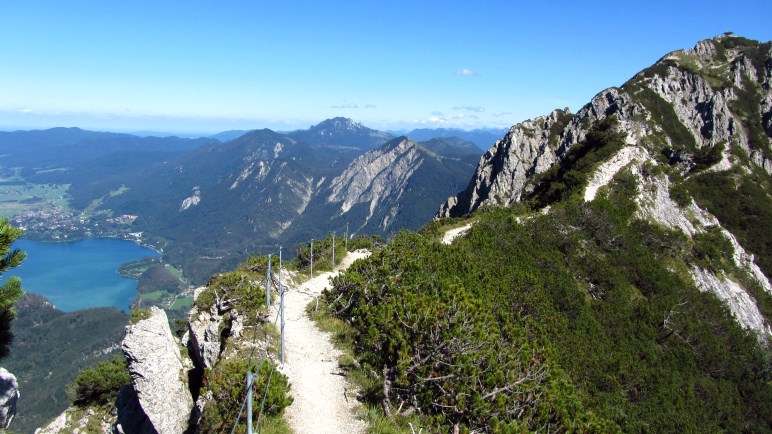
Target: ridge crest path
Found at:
x=323, y=400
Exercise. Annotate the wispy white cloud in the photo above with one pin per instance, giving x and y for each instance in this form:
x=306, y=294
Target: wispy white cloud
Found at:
x=466, y=72
x=440, y=119
x=470, y=108
x=345, y=105
x=24, y=110
x=500, y=114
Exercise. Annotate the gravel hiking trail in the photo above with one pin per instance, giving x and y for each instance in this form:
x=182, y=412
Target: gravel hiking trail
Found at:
x=455, y=233
x=324, y=402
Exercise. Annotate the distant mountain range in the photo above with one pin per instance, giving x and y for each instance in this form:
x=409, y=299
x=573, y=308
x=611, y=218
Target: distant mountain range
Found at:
x=63, y=147
x=226, y=136
x=482, y=138
x=209, y=203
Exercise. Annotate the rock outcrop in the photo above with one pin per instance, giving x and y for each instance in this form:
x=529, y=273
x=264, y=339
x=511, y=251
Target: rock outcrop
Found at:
x=9, y=396
x=157, y=372
x=207, y=330
x=85, y=421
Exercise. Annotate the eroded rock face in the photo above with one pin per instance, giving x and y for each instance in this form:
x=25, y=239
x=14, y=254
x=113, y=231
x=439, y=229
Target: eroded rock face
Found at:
x=157, y=372
x=655, y=203
x=738, y=300
x=204, y=337
x=9, y=396
x=375, y=176
x=504, y=174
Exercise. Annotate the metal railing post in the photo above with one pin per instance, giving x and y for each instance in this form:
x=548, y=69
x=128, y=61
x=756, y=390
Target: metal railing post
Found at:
x=268, y=285
x=249, y=402
x=281, y=310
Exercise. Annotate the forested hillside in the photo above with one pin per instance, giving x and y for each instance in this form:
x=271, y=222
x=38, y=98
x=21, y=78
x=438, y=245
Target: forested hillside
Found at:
x=50, y=348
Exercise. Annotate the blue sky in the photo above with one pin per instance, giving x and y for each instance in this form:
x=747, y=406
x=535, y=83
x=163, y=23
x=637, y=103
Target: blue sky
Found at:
x=209, y=66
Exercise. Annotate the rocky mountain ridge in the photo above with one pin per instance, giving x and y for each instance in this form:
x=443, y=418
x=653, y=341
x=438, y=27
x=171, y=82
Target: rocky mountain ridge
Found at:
x=678, y=80
x=707, y=109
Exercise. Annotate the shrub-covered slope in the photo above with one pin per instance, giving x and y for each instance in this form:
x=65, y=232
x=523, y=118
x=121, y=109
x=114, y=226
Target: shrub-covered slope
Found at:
x=581, y=319
x=624, y=287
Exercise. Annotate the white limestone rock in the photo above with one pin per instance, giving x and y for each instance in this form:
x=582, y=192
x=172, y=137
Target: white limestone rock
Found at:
x=157, y=372
x=9, y=396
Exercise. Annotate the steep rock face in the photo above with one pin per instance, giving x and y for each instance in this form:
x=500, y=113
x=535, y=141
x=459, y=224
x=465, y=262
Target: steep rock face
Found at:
x=156, y=369
x=9, y=396
x=376, y=175
x=390, y=186
x=131, y=418
x=503, y=171
x=505, y=174
x=702, y=94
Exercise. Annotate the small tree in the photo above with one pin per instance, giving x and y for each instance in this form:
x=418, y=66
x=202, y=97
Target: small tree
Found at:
x=11, y=291
x=99, y=384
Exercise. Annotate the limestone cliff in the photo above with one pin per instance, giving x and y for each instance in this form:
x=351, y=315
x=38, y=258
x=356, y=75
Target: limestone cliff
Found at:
x=207, y=331
x=378, y=179
x=390, y=187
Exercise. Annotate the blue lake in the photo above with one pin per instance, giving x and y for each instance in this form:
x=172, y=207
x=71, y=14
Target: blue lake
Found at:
x=80, y=274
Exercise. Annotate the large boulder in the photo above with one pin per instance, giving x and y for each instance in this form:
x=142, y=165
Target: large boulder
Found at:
x=9, y=395
x=157, y=372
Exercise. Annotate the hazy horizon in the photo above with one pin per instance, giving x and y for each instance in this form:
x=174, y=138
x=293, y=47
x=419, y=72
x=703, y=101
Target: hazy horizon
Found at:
x=207, y=67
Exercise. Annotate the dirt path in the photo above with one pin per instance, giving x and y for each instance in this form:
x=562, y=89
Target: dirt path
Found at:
x=455, y=233
x=324, y=403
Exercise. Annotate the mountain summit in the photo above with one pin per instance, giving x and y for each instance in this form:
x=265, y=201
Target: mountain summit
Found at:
x=342, y=132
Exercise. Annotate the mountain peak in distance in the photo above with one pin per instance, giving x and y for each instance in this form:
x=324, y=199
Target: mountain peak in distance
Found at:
x=342, y=132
